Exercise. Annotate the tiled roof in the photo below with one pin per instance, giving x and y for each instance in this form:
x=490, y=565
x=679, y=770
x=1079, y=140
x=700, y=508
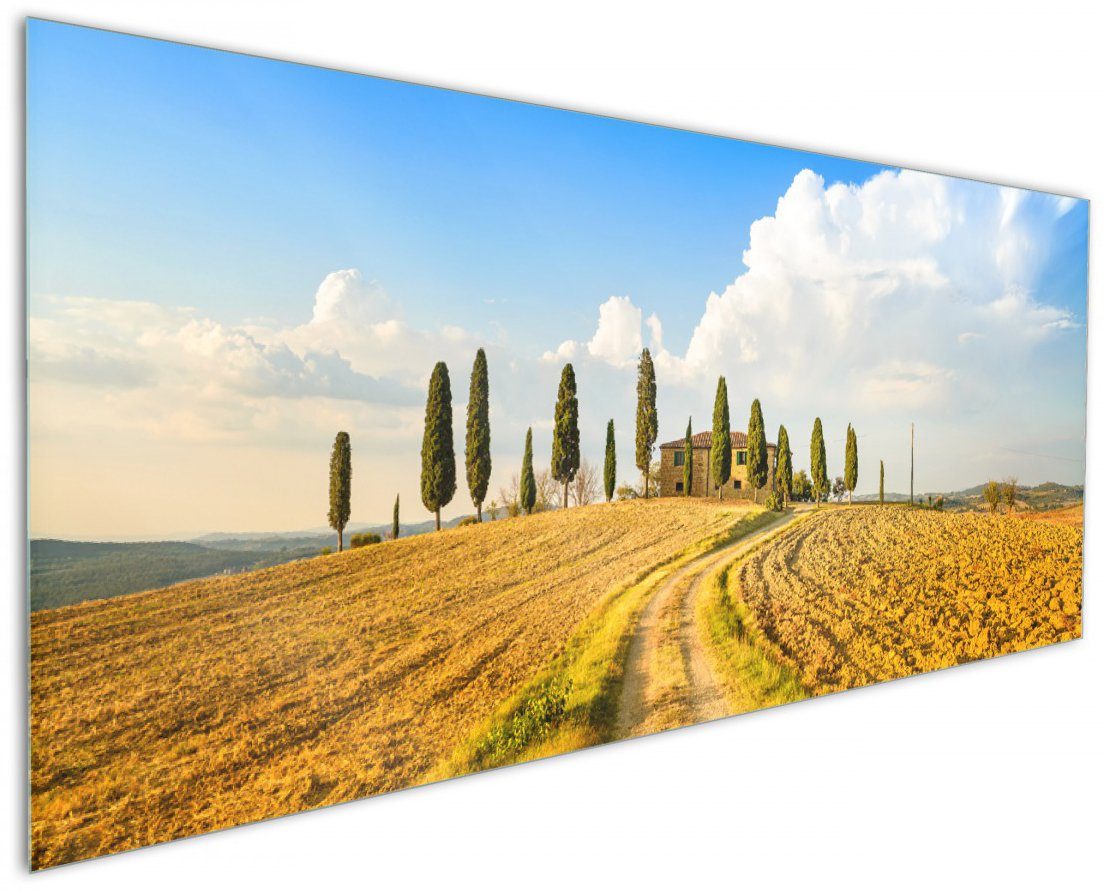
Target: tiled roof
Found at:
x=705, y=439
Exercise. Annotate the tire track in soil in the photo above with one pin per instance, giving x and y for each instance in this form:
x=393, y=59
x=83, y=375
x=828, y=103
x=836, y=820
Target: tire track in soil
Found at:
x=701, y=697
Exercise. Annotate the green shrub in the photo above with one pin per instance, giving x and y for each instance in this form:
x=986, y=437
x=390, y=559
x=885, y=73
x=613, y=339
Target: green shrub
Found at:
x=530, y=723
x=358, y=540
x=773, y=502
x=468, y=521
x=326, y=550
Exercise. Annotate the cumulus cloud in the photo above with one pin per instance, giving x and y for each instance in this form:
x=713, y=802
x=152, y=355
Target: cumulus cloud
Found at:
x=345, y=296
x=618, y=338
x=565, y=352
x=892, y=277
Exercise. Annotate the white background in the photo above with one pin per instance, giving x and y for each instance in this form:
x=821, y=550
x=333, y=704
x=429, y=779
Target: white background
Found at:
x=990, y=776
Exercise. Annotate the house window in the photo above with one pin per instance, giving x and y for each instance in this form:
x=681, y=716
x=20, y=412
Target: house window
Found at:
x=679, y=458
x=736, y=484
x=678, y=486
x=742, y=457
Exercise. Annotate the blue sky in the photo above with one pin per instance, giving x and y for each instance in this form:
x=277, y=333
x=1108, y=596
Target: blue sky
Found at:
x=163, y=177
x=235, y=184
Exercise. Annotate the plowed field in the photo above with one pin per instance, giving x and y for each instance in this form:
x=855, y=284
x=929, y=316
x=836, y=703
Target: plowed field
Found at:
x=856, y=596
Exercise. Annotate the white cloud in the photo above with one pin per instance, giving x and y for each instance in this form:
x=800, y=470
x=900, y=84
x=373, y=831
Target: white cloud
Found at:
x=655, y=326
x=565, y=352
x=1064, y=204
x=906, y=267
x=345, y=296
x=619, y=337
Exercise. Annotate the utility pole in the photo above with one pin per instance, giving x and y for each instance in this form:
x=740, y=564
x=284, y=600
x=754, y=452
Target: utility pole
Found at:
x=911, y=462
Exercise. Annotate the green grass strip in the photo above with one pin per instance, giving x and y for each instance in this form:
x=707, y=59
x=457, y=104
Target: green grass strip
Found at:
x=574, y=702
x=745, y=662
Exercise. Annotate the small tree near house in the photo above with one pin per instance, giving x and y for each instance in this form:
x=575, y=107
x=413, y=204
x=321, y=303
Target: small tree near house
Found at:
x=757, y=449
x=1009, y=493
x=647, y=419
x=784, y=466
x=720, y=445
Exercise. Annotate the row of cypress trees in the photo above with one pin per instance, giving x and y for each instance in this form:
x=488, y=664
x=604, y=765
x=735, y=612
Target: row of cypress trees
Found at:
x=782, y=474
x=566, y=438
x=437, y=454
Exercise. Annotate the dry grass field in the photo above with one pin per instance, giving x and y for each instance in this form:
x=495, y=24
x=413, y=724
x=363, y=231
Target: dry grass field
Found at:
x=855, y=596
x=213, y=703
x=1068, y=517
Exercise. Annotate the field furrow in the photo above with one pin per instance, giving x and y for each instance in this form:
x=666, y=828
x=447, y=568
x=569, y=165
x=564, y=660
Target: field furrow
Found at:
x=861, y=595
x=227, y=700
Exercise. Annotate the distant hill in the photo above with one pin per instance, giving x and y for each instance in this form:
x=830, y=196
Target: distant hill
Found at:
x=65, y=572
x=1042, y=497
x=318, y=538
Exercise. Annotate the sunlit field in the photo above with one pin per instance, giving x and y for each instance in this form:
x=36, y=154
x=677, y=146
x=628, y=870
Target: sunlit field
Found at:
x=851, y=597
x=208, y=704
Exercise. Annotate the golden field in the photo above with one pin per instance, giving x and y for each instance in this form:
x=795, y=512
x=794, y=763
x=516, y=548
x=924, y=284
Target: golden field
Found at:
x=855, y=596
x=227, y=700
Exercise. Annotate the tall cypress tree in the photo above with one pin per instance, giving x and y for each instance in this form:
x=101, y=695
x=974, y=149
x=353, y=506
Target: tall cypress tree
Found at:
x=882, y=484
x=784, y=465
x=647, y=419
x=478, y=462
x=397, y=518
x=527, y=477
x=339, y=485
x=610, y=470
x=437, y=455
x=688, y=459
x=564, y=442
x=851, y=463
x=720, y=446
x=818, y=467
x=757, y=448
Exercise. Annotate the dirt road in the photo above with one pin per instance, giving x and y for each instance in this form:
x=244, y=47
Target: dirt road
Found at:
x=669, y=680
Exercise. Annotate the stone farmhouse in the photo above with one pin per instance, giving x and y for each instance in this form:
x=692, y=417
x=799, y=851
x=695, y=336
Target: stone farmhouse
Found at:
x=672, y=458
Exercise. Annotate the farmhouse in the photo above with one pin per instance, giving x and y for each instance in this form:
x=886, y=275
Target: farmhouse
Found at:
x=672, y=458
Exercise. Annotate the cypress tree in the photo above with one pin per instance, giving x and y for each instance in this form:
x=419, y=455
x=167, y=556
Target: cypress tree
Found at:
x=688, y=459
x=882, y=484
x=397, y=518
x=757, y=448
x=478, y=462
x=818, y=467
x=610, y=471
x=784, y=465
x=851, y=463
x=527, y=477
x=647, y=419
x=564, y=443
x=437, y=456
x=720, y=446
x=339, y=485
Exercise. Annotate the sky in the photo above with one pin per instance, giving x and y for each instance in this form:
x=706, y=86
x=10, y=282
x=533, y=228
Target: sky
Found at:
x=232, y=258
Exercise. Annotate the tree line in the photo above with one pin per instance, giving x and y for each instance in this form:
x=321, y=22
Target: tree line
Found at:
x=531, y=490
